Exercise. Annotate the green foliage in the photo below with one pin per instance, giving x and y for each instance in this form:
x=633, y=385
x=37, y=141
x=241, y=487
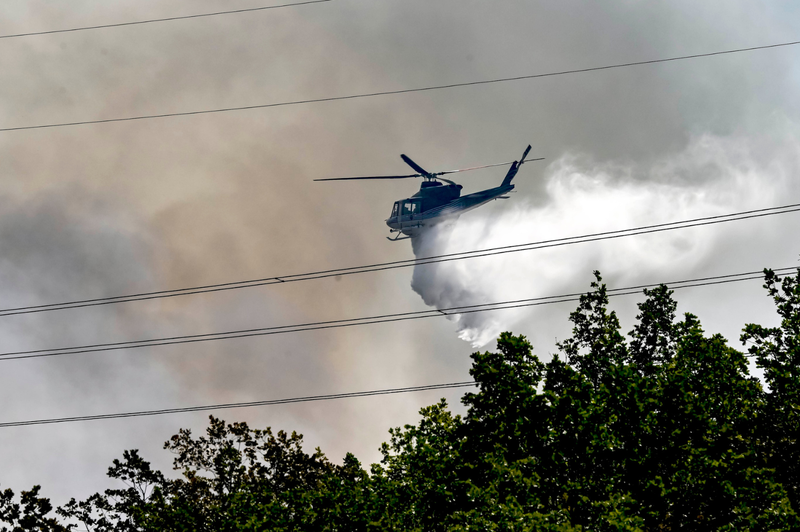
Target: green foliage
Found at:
x=29, y=514
x=662, y=429
x=233, y=478
x=777, y=352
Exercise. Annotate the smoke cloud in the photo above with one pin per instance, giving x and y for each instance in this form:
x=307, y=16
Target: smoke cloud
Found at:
x=712, y=176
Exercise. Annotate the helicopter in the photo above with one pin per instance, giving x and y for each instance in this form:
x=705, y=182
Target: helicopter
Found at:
x=436, y=202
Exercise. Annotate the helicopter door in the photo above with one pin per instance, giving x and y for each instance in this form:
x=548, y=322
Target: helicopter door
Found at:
x=411, y=209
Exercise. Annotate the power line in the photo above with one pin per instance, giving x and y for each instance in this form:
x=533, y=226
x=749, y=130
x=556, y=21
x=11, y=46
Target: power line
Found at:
x=270, y=402
x=402, y=91
x=371, y=320
x=166, y=19
x=433, y=259
x=390, y=391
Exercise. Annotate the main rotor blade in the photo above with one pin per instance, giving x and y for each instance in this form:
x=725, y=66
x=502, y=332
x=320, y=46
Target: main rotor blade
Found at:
x=414, y=165
x=472, y=168
x=369, y=177
x=522, y=161
x=432, y=175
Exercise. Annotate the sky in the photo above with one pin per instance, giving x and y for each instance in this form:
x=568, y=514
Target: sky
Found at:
x=108, y=209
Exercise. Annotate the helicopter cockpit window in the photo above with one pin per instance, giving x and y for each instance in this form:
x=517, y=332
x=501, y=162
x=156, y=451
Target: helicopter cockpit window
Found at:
x=395, y=209
x=410, y=207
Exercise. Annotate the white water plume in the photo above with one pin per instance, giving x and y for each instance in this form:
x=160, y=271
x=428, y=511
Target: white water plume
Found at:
x=711, y=176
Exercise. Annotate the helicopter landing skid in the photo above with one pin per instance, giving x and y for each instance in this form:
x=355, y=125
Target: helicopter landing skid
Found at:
x=398, y=237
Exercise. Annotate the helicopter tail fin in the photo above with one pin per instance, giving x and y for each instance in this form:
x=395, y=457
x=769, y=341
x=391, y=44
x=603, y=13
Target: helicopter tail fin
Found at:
x=515, y=167
x=511, y=173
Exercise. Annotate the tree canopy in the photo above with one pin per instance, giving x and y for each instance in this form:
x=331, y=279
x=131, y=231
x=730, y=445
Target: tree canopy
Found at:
x=662, y=429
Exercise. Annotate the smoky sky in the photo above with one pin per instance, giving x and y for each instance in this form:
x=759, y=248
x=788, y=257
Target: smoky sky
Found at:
x=92, y=211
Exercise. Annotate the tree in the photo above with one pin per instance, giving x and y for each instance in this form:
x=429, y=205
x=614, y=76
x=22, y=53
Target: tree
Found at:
x=777, y=352
x=233, y=478
x=29, y=514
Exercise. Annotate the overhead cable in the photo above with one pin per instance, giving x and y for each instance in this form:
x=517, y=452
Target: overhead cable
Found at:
x=402, y=91
x=206, y=408
x=371, y=320
x=166, y=19
x=433, y=259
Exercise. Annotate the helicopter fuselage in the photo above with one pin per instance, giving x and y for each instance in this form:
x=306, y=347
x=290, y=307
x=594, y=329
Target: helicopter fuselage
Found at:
x=435, y=203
